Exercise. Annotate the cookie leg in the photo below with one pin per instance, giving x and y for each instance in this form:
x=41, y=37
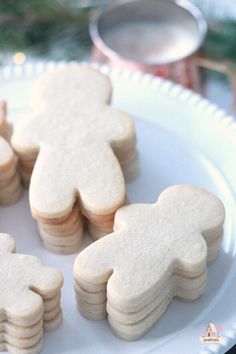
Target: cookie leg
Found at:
x=58, y=200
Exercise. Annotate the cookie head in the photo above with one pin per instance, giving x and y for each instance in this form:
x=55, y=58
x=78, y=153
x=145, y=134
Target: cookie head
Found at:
x=192, y=205
x=96, y=88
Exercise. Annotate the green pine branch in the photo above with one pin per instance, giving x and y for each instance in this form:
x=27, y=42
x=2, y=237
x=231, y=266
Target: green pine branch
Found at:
x=40, y=25
x=220, y=43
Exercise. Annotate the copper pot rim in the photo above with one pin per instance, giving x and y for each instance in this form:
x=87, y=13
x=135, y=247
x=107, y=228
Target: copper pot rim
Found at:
x=116, y=57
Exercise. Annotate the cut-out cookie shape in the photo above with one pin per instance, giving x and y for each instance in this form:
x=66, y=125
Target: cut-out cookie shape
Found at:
x=80, y=145
x=10, y=184
x=29, y=299
x=156, y=252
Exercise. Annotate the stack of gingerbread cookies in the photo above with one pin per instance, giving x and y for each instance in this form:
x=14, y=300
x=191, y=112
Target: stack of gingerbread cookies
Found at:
x=30, y=301
x=10, y=184
x=157, y=252
x=78, y=152
x=61, y=234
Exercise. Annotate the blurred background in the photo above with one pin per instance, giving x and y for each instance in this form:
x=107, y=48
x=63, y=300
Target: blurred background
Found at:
x=44, y=30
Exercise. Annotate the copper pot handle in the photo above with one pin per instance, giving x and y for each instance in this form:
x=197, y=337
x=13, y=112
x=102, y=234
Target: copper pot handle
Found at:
x=227, y=68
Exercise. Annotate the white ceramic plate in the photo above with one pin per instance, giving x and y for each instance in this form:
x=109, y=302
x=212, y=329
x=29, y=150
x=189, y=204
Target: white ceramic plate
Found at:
x=181, y=139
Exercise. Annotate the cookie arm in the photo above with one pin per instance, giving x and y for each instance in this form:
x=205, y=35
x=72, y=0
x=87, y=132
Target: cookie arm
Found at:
x=190, y=254
x=27, y=134
x=45, y=281
x=95, y=263
x=119, y=128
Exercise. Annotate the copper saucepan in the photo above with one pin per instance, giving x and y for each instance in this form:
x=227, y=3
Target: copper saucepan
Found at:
x=157, y=36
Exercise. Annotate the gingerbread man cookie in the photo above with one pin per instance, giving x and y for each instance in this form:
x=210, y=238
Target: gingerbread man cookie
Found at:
x=79, y=144
x=155, y=253
x=29, y=299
